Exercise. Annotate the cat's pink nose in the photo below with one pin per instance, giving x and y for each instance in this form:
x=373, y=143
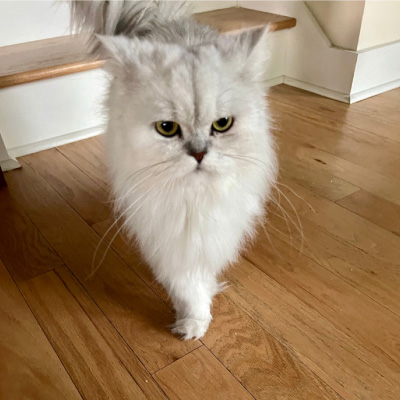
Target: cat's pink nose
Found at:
x=199, y=156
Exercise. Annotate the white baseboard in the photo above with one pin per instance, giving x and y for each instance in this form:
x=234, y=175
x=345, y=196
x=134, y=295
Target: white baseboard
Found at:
x=365, y=94
x=8, y=165
x=274, y=81
x=56, y=141
x=377, y=70
x=309, y=87
x=6, y=161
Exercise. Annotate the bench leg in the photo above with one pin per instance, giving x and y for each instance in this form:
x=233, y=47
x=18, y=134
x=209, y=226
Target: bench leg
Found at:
x=3, y=182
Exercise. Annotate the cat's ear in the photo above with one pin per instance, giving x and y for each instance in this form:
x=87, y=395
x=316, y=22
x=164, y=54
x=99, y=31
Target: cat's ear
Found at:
x=116, y=50
x=250, y=48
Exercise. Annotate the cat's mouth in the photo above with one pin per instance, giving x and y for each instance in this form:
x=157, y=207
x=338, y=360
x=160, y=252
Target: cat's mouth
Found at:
x=200, y=168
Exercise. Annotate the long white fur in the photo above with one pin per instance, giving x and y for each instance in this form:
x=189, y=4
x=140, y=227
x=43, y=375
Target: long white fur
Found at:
x=189, y=223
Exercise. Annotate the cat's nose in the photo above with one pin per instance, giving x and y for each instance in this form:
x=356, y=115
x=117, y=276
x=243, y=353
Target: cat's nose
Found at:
x=199, y=156
x=197, y=147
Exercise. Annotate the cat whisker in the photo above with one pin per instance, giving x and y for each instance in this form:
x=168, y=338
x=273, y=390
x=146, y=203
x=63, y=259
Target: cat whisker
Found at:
x=263, y=222
x=279, y=233
x=278, y=203
x=297, y=225
x=284, y=217
x=142, y=170
x=298, y=196
x=248, y=158
x=304, y=241
x=94, y=269
x=171, y=183
x=300, y=226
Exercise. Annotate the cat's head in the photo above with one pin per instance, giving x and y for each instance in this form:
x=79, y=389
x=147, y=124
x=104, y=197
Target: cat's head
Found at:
x=201, y=109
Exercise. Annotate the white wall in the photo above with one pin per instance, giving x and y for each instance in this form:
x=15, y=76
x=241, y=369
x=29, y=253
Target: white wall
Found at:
x=202, y=6
x=358, y=25
x=41, y=110
x=380, y=24
x=26, y=21
x=311, y=63
x=340, y=20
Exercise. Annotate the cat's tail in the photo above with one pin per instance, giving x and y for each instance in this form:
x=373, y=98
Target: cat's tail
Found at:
x=116, y=17
x=110, y=17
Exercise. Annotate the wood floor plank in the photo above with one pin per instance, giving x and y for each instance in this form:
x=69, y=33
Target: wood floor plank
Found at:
x=344, y=224
x=137, y=313
x=352, y=371
x=90, y=361
x=24, y=250
x=361, y=115
x=319, y=160
x=377, y=210
x=73, y=185
x=378, y=279
x=368, y=150
x=333, y=128
x=260, y=362
x=200, y=376
x=351, y=311
x=386, y=107
x=89, y=156
x=323, y=184
x=29, y=367
x=111, y=336
x=326, y=242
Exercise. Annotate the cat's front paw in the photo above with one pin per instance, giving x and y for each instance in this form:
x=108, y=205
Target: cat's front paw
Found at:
x=189, y=328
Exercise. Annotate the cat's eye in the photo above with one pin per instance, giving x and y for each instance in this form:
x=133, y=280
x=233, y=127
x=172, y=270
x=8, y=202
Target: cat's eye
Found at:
x=167, y=128
x=222, y=124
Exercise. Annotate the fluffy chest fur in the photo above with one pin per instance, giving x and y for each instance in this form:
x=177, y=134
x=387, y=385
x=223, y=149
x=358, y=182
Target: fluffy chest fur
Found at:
x=196, y=222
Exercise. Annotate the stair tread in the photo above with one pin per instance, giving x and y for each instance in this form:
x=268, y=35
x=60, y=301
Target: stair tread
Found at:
x=236, y=19
x=47, y=58
x=41, y=54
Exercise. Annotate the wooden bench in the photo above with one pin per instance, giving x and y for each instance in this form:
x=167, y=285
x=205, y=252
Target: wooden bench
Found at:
x=49, y=58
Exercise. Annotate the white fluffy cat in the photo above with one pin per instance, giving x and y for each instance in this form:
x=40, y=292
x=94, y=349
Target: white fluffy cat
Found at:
x=190, y=153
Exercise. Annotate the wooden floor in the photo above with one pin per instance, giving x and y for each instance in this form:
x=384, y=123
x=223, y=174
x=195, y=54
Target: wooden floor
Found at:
x=318, y=320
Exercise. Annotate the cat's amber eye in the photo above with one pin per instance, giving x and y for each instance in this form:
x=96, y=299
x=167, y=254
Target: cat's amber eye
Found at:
x=167, y=128
x=222, y=124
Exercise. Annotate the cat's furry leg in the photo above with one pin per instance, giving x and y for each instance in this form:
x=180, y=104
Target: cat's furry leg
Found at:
x=192, y=295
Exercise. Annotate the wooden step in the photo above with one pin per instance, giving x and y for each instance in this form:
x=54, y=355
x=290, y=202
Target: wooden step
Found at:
x=42, y=59
x=49, y=58
x=237, y=19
